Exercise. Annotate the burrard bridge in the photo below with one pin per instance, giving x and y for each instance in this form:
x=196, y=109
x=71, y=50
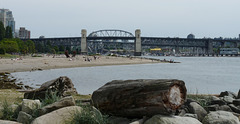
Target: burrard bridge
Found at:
x=101, y=40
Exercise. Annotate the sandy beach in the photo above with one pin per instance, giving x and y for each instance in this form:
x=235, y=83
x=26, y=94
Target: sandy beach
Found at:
x=28, y=63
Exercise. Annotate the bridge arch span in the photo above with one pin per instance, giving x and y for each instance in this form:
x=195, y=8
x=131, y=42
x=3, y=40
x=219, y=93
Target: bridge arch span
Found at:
x=111, y=33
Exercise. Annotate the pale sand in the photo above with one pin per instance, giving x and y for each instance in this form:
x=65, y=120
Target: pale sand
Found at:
x=34, y=63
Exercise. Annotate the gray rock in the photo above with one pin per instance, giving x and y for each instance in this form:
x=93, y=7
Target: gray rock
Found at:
x=183, y=112
x=219, y=102
x=228, y=99
x=64, y=102
x=228, y=93
x=220, y=117
x=213, y=98
x=59, y=116
x=236, y=102
x=29, y=105
x=188, y=101
x=118, y=120
x=8, y=122
x=14, y=107
x=195, y=108
x=236, y=114
x=141, y=121
x=234, y=108
x=24, y=118
x=225, y=108
x=191, y=115
x=160, y=119
x=212, y=107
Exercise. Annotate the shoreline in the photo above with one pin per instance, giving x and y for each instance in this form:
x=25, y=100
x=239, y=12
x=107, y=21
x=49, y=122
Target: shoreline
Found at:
x=28, y=63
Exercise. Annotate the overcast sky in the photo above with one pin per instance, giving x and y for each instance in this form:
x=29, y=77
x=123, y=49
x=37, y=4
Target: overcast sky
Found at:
x=161, y=18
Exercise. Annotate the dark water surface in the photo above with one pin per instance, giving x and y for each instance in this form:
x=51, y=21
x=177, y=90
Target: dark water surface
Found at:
x=202, y=75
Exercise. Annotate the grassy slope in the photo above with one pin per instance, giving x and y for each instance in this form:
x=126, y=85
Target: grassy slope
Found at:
x=11, y=95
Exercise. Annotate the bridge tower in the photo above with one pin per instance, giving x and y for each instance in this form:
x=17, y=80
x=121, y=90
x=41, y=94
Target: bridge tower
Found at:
x=84, y=42
x=209, y=47
x=138, y=43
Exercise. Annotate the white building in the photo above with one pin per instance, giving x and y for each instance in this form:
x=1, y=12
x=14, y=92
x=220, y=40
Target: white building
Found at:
x=24, y=34
x=6, y=17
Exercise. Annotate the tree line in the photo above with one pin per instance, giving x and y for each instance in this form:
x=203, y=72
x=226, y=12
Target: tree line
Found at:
x=10, y=45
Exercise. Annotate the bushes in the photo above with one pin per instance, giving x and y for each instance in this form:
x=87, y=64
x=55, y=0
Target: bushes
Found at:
x=10, y=46
x=49, y=99
x=89, y=115
x=15, y=45
x=7, y=111
x=2, y=50
x=203, y=100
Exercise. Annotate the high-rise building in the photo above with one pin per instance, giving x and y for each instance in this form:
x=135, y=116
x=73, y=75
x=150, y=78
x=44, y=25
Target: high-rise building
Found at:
x=6, y=17
x=24, y=34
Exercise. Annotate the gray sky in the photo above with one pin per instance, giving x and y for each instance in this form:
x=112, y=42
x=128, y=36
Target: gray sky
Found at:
x=162, y=18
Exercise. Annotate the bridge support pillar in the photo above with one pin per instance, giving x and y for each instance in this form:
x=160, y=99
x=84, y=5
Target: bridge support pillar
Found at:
x=235, y=44
x=177, y=51
x=84, y=42
x=138, y=43
x=210, y=47
x=238, y=44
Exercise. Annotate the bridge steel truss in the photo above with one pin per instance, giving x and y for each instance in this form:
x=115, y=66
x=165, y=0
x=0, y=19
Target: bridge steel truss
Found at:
x=98, y=43
x=199, y=46
x=111, y=33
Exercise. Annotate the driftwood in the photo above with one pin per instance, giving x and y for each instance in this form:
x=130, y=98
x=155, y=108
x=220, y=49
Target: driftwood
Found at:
x=62, y=86
x=138, y=98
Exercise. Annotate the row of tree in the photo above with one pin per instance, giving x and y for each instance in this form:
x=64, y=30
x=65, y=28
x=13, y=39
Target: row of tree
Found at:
x=47, y=47
x=8, y=44
x=16, y=45
x=5, y=33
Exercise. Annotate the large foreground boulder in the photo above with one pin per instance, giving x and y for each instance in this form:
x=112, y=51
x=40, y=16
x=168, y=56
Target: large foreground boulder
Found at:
x=8, y=122
x=160, y=119
x=220, y=117
x=60, y=116
x=62, y=86
x=138, y=98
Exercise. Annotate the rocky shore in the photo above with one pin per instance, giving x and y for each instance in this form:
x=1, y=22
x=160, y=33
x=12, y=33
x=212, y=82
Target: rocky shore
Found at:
x=7, y=81
x=153, y=102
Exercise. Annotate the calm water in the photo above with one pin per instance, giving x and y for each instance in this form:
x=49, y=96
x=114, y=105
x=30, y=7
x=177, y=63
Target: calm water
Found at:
x=205, y=75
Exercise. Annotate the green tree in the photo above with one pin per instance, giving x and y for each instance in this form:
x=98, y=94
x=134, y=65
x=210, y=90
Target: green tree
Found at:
x=61, y=48
x=53, y=51
x=8, y=32
x=10, y=46
x=31, y=46
x=2, y=49
x=39, y=47
x=68, y=48
x=21, y=45
x=56, y=49
x=2, y=31
x=48, y=47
